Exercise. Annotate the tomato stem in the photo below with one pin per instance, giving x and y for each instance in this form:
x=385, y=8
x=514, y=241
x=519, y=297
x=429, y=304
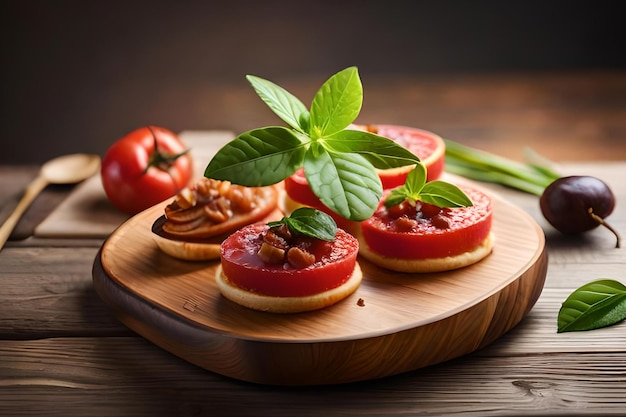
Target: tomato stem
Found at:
x=161, y=160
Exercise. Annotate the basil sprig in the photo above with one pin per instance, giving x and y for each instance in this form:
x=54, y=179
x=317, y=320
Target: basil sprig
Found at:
x=438, y=193
x=339, y=163
x=308, y=221
x=596, y=304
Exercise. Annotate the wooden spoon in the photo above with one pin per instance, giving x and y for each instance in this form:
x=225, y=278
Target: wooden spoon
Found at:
x=67, y=169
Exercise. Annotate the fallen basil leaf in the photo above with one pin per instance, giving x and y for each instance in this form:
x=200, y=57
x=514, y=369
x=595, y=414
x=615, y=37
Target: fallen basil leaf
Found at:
x=594, y=305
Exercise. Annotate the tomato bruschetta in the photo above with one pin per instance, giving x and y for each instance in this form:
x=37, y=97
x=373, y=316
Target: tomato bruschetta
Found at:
x=281, y=269
x=201, y=216
x=422, y=237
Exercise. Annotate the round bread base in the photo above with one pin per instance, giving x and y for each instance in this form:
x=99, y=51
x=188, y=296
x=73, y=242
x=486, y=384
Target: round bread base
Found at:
x=274, y=304
x=447, y=263
x=188, y=251
x=286, y=204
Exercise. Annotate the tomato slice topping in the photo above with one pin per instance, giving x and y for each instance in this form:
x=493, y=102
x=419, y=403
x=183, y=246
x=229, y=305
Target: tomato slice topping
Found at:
x=433, y=233
x=334, y=264
x=429, y=148
x=297, y=187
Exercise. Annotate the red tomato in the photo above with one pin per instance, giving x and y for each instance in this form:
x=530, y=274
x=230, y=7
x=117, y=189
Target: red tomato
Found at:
x=145, y=167
x=433, y=233
x=334, y=264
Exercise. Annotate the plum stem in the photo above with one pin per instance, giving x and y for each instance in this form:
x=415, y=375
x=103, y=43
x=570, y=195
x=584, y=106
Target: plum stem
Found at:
x=601, y=221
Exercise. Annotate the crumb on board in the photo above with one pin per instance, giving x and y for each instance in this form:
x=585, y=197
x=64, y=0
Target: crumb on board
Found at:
x=360, y=302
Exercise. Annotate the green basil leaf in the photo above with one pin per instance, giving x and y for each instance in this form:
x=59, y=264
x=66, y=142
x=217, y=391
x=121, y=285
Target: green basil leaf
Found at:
x=305, y=123
x=346, y=183
x=288, y=107
x=311, y=222
x=415, y=181
x=437, y=193
x=596, y=304
x=395, y=197
x=381, y=152
x=411, y=188
x=258, y=157
x=336, y=104
x=444, y=194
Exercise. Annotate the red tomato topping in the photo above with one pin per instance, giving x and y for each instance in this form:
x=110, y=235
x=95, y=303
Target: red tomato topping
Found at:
x=428, y=147
x=424, y=233
x=334, y=264
x=297, y=187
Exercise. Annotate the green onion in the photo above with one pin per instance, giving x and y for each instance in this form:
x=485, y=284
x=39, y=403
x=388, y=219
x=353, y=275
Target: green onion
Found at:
x=532, y=177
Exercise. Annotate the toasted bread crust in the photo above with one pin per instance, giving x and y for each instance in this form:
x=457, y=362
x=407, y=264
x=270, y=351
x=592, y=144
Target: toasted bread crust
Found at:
x=428, y=265
x=188, y=251
x=273, y=304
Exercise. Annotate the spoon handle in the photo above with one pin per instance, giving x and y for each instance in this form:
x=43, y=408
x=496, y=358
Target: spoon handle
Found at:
x=32, y=191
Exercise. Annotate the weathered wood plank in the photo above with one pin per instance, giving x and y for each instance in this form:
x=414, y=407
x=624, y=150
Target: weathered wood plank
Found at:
x=48, y=292
x=130, y=377
x=537, y=333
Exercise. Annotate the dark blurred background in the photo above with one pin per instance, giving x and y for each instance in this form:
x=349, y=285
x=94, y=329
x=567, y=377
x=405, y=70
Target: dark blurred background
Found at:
x=77, y=75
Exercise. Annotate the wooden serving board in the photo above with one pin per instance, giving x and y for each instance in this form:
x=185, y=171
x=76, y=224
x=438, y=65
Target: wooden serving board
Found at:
x=408, y=321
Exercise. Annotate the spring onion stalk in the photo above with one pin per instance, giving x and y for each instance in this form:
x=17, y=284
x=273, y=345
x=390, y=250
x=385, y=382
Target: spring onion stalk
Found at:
x=532, y=177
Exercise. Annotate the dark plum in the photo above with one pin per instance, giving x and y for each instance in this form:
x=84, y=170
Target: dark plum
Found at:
x=577, y=204
x=572, y=204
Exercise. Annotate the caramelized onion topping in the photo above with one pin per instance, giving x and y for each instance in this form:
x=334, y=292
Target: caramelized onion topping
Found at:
x=280, y=246
x=209, y=199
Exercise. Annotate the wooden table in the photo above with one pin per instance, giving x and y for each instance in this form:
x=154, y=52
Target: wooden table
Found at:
x=62, y=352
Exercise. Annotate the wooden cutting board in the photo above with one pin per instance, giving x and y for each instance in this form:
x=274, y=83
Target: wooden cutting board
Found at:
x=86, y=212
x=408, y=321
